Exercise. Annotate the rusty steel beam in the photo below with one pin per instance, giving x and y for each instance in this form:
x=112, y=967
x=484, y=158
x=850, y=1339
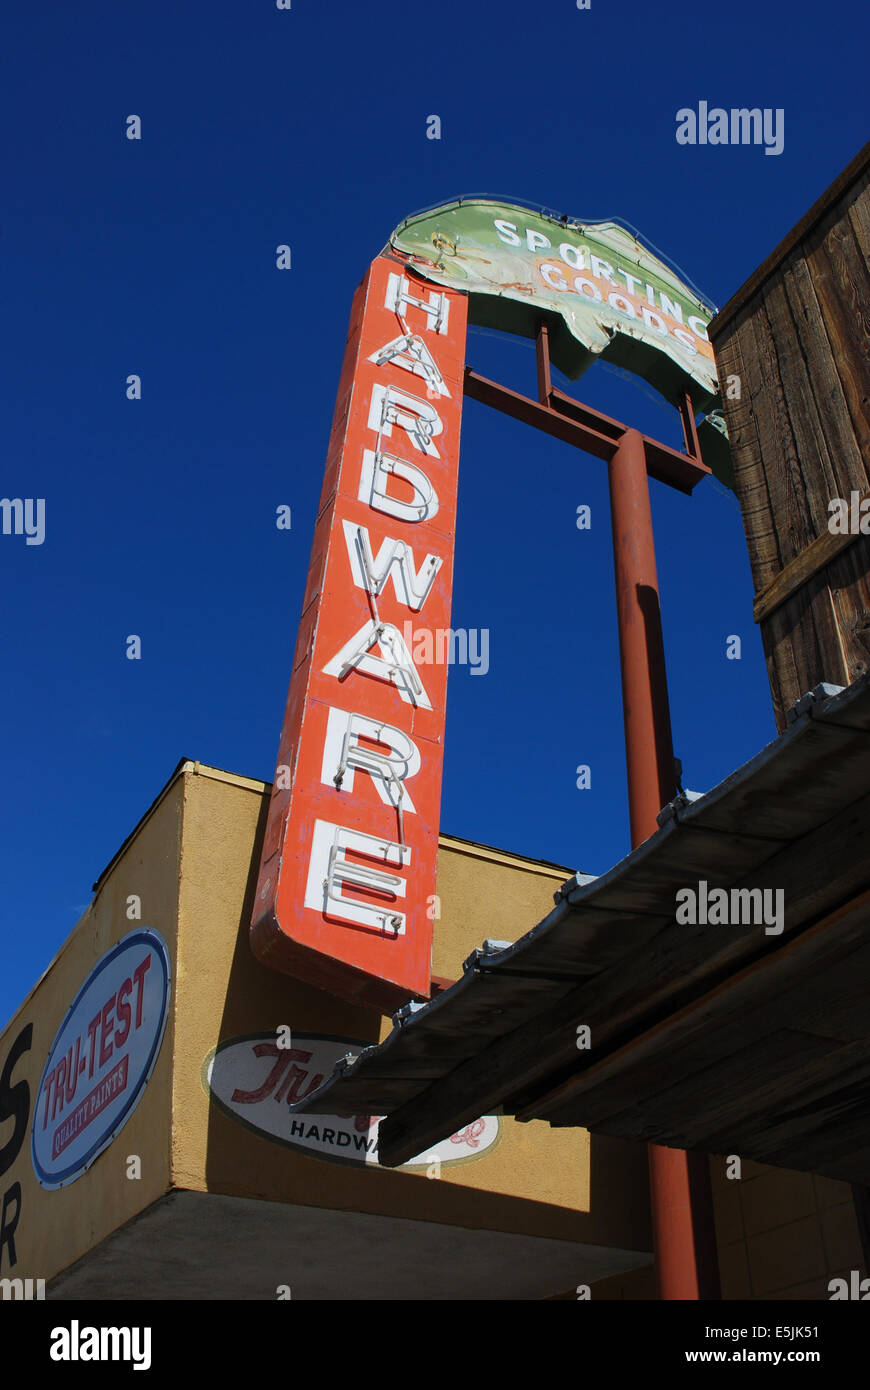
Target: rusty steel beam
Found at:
x=690, y=429
x=542, y=350
x=680, y=1197
x=646, y=710
x=585, y=428
x=542, y=417
x=584, y=414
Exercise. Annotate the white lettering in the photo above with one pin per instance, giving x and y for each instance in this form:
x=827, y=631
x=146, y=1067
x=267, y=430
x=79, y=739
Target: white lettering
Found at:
x=390, y=405
x=389, y=769
x=548, y=271
x=377, y=468
x=395, y=666
x=537, y=241
x=395, y=560
x=329, y=870
x=436, y=308
x=507, y=231
x=411, y=354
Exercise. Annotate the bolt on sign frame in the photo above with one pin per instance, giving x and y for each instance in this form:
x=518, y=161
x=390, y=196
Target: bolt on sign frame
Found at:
x=347, y=875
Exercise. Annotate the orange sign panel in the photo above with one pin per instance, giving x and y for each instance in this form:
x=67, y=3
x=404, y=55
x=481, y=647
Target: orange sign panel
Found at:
x=347, y=879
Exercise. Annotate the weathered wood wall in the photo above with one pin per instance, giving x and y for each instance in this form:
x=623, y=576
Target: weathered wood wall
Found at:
x=797, y=335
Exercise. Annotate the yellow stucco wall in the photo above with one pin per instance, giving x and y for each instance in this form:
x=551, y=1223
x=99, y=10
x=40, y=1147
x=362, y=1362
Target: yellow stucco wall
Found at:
x=57, y=1226
x=192, y=863
x=561, y=1184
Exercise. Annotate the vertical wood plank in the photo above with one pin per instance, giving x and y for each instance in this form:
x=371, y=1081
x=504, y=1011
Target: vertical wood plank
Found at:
x=801, y=436
x=751, y=484
x=859, y=216
x=849, y=468
x=842, y=283
x=779, y=452
x=793, y=342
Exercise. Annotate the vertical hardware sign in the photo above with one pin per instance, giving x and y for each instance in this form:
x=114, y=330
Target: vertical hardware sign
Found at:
x=347, y=876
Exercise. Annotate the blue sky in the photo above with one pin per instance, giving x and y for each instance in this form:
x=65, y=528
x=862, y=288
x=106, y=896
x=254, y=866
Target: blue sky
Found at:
x=308, y=127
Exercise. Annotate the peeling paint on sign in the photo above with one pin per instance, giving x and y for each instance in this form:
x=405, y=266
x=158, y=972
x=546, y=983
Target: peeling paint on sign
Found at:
x=617, y=299
x=349, y=854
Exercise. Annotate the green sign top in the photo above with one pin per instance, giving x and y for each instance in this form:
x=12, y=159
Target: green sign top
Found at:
x=602, y=293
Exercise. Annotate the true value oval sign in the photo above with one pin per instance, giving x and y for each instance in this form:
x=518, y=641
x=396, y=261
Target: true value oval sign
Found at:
x=256, y=1081
x=101, y=1057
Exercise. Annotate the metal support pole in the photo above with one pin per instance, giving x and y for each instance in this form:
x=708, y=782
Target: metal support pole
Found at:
x=648, y=747
x=681, y=1201
x=682, y=1207
x=684, y=1234
x=690, y=429
x=542, y=352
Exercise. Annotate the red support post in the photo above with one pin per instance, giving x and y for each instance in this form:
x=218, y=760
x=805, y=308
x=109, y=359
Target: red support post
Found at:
x=690, y=429
x=682, y=1207
x=542, y=351
x=648, y=746
x=680, y=1196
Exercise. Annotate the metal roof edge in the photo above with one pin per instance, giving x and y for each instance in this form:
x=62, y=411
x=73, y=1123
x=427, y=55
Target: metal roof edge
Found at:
x=410, y=1013
x=822, y=704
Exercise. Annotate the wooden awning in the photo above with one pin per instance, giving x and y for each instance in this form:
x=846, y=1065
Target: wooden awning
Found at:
x=738, y=1038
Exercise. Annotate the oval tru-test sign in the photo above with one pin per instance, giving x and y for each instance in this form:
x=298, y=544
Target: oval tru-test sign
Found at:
x=101, y=1057
x=256, y=1081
